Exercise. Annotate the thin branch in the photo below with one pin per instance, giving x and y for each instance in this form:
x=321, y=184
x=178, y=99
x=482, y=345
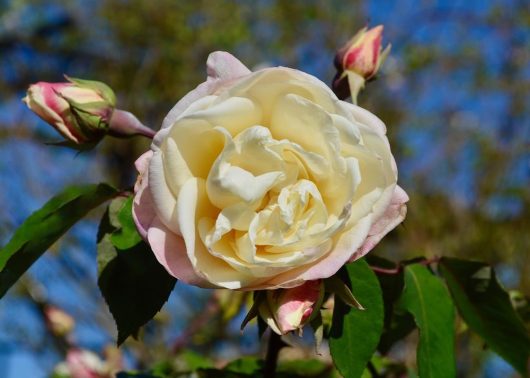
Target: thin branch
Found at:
x=271, y=359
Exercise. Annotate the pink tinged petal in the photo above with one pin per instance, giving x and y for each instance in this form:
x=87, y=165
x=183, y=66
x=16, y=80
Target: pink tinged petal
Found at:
x=164, y=200
x=143, y=206
x=142, y=164
x=222, y=68
x=84, y=364
x=296, y=305
x=394, y=215
x=44, y=100
x=352, y=56
x=170, y=251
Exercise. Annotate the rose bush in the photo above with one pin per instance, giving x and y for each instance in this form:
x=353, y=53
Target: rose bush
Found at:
x=263, y=180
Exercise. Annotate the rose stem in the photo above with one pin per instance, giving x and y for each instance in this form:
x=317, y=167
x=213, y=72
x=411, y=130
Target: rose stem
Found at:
x=372, y=370
x=273, y=350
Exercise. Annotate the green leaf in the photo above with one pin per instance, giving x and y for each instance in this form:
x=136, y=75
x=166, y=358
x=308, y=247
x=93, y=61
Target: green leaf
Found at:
x=126, y=236
x=245, y=365
x=426, y=298
x=194, y=361
x=133, y=283
x=355, y=333
x=305, y=368
x=487, y=310
x=45, y=226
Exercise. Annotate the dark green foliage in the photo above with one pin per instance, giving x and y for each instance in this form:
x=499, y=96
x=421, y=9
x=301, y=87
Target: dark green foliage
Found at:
x=398, y=323
x=487, y=310
x=133, y=283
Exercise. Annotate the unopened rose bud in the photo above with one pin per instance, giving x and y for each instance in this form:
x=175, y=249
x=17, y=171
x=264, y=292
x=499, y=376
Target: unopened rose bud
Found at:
x=85, y=364
x=60, y=323
x=358, y=61
x=83, y=111
x=80, y=109
x=287, y=310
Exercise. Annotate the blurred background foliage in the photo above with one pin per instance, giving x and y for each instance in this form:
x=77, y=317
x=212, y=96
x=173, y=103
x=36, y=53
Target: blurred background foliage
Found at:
x=454, y=95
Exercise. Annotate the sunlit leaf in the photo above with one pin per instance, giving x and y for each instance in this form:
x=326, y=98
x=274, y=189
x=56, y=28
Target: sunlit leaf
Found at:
x=427, y=299
x=355, y=333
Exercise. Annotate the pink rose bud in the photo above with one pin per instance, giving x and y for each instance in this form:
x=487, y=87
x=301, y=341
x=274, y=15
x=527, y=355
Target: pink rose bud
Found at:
x=287, y=310
x=80, y=109
x=358, y=61
x=85, y=364
x=83, y=111
x=59, y=322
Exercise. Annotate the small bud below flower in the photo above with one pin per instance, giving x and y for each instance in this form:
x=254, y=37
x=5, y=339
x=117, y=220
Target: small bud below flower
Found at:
x=358, y=61
x=287, y=310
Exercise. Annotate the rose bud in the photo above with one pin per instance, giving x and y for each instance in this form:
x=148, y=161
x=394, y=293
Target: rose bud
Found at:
x=60, y=322
x=82, y=363
x=80, y=109
x=83, y=111
x=287, y=310
x=358, y=61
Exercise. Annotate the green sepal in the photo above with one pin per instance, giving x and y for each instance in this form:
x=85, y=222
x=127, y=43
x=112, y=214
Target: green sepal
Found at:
x=341, y=290
x=99, y=87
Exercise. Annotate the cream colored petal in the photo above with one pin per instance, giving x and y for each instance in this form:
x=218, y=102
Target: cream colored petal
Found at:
x=164, y=200
x=235, y=114
x=345, y=245
x=367, y=118
x=228, y=184
x=193, y=205
x=300, y=121
x=189, y=151
x=80, y=95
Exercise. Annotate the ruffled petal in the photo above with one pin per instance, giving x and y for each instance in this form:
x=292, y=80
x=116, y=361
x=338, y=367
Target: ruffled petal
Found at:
x=222, y=68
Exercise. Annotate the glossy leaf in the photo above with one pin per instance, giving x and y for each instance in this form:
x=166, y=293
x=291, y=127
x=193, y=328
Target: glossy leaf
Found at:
x=487, y=310
x=45, y=226
x=133, y=283
x=355, y=333
x=427, y=299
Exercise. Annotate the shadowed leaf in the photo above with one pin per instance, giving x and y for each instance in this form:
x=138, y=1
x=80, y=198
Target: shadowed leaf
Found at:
x=133, y=283
x=487, y=310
